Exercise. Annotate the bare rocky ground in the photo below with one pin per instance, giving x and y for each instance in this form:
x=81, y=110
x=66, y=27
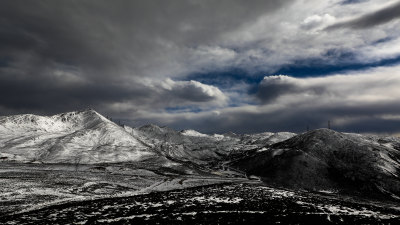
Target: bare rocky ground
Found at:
x=25, y=187
x=106, y=198
x=214, y=204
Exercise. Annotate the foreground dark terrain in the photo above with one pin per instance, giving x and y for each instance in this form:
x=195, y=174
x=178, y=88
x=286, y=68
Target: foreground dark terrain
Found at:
x=215, y=204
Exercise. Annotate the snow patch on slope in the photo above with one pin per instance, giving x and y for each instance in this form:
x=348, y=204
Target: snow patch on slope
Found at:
x=193, y=133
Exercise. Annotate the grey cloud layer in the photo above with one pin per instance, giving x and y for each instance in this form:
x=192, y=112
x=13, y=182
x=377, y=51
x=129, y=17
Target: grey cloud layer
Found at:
x=94, y=53
x=358, y=102
x=381, y=16
x=43, y=95
x=131, y=59
x=100, y=36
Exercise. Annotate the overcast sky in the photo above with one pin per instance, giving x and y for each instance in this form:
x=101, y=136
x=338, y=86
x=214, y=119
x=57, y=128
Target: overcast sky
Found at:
x=214, y=66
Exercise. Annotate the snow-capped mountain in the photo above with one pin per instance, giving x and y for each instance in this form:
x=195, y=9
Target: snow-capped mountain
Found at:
x=84, y=136
x=324, y=159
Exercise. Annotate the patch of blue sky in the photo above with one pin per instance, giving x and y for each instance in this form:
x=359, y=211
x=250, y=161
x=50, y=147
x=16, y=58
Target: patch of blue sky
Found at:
x=347, y=2
x=316, y=67
x=233, y=103
x=382, y=40
x=341, y=62
x=183, y=109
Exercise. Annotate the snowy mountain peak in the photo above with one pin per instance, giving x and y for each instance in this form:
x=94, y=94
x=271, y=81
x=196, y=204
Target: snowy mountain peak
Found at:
x=60, y=122
x=81, y=119
x=193, y=133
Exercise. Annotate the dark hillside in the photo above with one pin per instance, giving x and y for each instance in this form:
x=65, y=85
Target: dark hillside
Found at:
x=328, y=160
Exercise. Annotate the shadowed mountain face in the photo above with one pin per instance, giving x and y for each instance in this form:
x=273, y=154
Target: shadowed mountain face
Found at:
x=327, y=160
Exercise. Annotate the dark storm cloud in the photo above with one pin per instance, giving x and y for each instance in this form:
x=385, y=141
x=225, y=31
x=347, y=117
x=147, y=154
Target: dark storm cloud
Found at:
x=39, y=94
x=104, y=33
x=270, y=89
x=273, y=87
x=104, y=49
x=381, y=16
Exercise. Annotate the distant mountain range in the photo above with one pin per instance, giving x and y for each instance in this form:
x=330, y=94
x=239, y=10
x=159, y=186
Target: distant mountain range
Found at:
x=318, y=160
x=88, y=137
